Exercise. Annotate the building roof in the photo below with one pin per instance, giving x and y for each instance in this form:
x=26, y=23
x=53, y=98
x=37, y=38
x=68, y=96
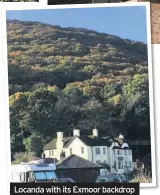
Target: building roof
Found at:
x=76, y=162
x=92, y=141
x=126, y=148
x=52, y=144
x=50, y=160
x=87, y=140
x=116, y=147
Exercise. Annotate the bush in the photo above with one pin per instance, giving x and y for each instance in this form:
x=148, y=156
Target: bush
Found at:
x=142, y=178
x=23, y=157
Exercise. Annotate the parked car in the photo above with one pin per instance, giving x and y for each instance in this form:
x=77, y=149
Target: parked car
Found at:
x=65, y=180
x=112, y=178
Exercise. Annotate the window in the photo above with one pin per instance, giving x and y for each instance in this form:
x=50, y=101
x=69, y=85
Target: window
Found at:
x=129, y=151
x=125, y=152
x=104, y=150
x=115, y=164
x=118, y=153
x=114, y=152
x=52, y=152
x=97, y=150
x=22, y=177
x=130, y=164
x=50, y=175
x=70, y=151
x=120, y=163
x=126, y=163
x=82, y=150
x=40, y=175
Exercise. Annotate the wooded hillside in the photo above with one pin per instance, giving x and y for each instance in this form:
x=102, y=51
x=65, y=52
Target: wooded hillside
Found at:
x=61, y=78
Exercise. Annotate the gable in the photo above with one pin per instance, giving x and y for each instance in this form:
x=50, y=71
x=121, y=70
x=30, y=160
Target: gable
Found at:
x=115, y=145
x=125, y=145
x=75, y=141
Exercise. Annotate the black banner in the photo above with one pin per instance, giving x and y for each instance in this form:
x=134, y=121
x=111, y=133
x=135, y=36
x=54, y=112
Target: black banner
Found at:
x=74, y=188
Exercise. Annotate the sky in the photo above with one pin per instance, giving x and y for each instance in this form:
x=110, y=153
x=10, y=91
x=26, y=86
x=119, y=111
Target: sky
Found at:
x=126, y=22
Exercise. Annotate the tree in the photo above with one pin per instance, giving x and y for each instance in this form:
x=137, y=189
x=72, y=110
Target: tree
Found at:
x=33, y=144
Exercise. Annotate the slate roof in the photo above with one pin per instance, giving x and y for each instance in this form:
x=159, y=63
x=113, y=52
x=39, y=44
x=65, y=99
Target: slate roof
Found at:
x=50, y=160
x=52, y=145
x=126, y=148
x=76, y=162
x=116, y=147
x=88, y=140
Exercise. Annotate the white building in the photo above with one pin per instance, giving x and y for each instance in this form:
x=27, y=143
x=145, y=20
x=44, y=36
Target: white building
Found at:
x=113, y=151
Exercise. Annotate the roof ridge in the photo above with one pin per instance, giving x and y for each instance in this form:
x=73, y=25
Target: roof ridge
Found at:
x=79, y=158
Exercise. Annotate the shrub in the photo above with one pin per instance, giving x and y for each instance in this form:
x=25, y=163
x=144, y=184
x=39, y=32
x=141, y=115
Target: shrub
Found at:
x=23, y=157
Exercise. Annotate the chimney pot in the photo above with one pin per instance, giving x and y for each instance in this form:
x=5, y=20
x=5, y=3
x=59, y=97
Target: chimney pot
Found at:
x=121, y=136
x=76, y=132
x=95, y=132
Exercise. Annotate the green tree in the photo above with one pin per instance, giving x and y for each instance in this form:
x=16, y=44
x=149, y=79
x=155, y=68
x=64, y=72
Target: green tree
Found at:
x=33, y=144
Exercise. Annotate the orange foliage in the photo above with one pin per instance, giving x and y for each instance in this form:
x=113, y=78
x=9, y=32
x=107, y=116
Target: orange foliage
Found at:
x=17, y=95
x=35, y=68
x=15, y=53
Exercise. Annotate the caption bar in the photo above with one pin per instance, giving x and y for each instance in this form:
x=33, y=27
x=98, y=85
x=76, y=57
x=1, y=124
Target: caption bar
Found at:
x=76, y=188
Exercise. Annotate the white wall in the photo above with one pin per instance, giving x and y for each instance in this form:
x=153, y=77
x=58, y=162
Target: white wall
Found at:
x=90, y=153
x=52, y=152
x=76, y=146
x=100, y=157
x=127, y=157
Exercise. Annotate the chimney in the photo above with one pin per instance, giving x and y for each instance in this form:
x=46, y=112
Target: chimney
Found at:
x=95, y=132
x=60, y=136
x=59, y=143
x=121, y=136
x=76, y=132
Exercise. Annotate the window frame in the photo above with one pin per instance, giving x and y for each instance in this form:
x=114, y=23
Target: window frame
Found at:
x=97, y=149
x=104, y=150
x=120, y=163
x=82, y=150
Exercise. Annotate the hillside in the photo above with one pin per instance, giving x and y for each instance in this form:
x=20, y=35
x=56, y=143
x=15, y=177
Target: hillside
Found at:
x=61, y=78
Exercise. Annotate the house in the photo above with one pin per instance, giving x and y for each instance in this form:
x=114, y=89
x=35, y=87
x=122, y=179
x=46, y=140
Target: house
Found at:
x=78, y=168
x=113, y=151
